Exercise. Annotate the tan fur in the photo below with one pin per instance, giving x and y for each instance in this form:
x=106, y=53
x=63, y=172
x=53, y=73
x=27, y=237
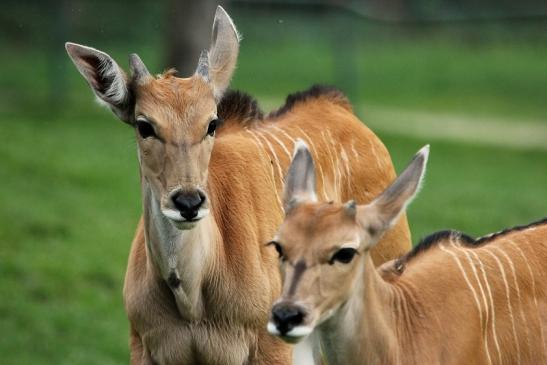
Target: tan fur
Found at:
x=241, y=277
x=453, y=303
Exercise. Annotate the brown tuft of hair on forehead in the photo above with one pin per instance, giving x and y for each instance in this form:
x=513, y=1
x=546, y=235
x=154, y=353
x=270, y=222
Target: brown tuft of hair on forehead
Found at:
x=169, y=73
x=325, y=215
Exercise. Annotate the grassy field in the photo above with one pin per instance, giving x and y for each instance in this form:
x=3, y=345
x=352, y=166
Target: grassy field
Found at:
x=69, y=197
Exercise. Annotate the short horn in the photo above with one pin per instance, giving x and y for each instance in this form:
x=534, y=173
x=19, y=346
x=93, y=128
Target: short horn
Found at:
x=203, y=65
x=139, y=72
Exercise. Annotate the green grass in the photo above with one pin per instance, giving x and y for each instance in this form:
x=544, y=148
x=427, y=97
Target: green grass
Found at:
x=69, y=207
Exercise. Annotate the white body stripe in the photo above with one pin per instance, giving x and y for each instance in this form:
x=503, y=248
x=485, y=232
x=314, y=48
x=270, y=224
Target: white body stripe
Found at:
x=508, y=297
x=345, y=159
x=337, y=178
x=374, y=154
x=279, y=142
x=492, y=307
x=275, y=160
x=338, y=172
x=261, y=148
x=283, y=132
x=471, y=288
x=334, y=182
x=484, y=300
x=355, y=153
x=517, y=289
x=534, y=293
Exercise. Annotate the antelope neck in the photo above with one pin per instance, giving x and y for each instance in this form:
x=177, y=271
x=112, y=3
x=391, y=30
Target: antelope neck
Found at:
x=179, y=257
x=362, y=329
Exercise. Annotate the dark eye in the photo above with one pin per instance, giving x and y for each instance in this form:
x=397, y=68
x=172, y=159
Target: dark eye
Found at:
x=344, y=255
x=212, y=127
x=278, y=248
x=145, y=129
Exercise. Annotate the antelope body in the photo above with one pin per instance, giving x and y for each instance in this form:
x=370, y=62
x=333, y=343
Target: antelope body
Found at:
x=200, y=281
x=451, y=300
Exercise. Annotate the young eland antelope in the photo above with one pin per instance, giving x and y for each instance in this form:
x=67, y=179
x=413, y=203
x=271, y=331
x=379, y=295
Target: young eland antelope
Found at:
x=199, y=285
x=451, y=300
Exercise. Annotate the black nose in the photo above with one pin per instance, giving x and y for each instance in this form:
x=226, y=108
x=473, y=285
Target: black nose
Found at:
x=188, y=203
x=286, y=317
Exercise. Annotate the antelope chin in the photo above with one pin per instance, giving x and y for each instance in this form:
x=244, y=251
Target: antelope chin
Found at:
x=185, y=225
x=294, y=336
x=182, y=223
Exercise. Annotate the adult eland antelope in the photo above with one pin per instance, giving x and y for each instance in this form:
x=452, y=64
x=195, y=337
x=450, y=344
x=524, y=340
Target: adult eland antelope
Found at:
x=200, y=282
x=450, y=300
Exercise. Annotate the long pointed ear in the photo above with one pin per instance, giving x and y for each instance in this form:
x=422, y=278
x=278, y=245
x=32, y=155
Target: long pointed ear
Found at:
x=382, y=213
x=300, y=184
x=105, y=77
x=217, y=66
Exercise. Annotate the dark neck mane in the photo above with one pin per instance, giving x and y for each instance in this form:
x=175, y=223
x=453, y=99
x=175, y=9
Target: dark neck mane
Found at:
x=238, y=110
x=434, y=239
x=329, y=93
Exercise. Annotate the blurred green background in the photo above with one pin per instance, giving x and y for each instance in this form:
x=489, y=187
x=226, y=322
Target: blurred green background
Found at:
x=470, y=78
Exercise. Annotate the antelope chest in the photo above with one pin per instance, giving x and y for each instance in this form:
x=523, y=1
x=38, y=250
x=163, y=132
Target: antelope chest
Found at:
x=167, y=338
x=200, y=343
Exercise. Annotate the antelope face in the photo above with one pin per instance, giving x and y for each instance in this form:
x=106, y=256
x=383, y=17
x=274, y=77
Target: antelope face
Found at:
x=319, y=250
x=322, y=246
x=175, y=118
x=175, y=123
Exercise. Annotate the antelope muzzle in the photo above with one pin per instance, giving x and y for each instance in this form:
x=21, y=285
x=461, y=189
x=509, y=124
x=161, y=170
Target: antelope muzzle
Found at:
x=288, y=322
x=186, y=207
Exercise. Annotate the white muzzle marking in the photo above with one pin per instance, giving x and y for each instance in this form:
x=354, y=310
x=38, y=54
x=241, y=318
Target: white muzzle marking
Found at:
x=182, y=223
x=294, y=335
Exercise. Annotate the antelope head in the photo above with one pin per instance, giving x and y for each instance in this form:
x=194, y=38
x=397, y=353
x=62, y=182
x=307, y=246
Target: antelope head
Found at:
x=174, y=118
x=322, y=246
